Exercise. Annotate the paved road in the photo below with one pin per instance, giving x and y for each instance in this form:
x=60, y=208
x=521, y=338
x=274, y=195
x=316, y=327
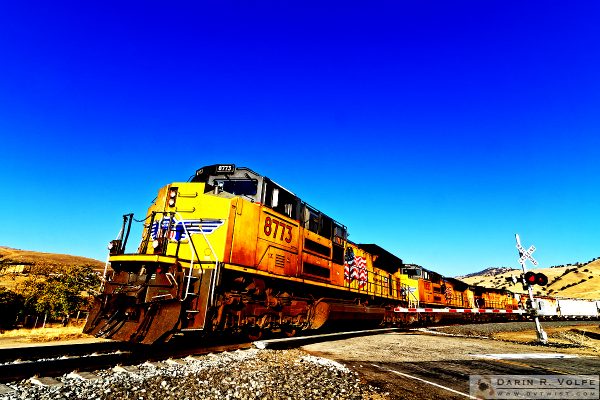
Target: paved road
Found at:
x=420, y=366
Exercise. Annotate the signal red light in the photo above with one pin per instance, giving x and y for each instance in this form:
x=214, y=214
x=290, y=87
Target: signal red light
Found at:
x=541, y=279
x=530, y=278
x=536, y=279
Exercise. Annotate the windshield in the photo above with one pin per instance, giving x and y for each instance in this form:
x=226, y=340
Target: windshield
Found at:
x=247, y=187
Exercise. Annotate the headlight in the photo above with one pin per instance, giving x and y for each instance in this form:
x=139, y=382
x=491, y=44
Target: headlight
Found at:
x=172, y=196
x=155, y=244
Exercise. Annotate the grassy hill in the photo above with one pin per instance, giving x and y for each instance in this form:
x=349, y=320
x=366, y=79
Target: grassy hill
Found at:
x=10, y=256
x=15, y=264
x=579, y=281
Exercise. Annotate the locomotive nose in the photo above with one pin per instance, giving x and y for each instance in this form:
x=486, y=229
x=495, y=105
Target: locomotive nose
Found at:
x=140, y=303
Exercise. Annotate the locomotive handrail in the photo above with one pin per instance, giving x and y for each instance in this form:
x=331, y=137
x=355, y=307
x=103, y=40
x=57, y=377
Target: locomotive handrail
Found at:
x=194, y=254
x=411, y=294
x=187, y=287
x=215, y=278
x=103, y=280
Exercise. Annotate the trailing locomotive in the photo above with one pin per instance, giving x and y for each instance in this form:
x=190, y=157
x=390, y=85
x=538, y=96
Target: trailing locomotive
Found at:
x=233, y=251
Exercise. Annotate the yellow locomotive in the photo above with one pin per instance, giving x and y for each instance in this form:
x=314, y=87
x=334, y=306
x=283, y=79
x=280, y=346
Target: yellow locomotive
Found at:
x=233, y=251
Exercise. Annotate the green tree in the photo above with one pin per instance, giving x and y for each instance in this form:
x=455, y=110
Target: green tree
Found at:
x=60, y=294
x=11, y=304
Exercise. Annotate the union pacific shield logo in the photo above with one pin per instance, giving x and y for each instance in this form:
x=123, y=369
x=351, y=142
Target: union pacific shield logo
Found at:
x=178, y=232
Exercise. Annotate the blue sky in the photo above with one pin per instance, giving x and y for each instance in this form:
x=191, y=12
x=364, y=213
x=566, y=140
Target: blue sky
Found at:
x=437, y=130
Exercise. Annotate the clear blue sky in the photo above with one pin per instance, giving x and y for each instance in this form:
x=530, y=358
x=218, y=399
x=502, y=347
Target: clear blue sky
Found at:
x=435, y=129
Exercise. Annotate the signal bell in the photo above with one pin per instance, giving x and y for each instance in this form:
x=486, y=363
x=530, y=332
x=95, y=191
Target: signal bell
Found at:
x=536, y=279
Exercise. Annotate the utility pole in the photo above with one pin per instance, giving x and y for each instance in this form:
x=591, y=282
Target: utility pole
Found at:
x=532, y=308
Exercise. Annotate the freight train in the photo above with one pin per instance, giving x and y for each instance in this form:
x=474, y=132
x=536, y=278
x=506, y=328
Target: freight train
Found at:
x=232, y=251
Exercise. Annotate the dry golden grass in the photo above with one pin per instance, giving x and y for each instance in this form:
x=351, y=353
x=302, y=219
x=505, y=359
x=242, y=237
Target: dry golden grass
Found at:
x=589, y=289
x=580, y=340
x=51, y=333
x=561, y=337
x=12, y=281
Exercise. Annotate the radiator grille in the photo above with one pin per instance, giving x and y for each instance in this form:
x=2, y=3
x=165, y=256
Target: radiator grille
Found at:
x=279, y=261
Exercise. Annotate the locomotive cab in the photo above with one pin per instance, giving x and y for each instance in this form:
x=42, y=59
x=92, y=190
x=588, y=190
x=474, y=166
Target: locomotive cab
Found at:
x=409, y=278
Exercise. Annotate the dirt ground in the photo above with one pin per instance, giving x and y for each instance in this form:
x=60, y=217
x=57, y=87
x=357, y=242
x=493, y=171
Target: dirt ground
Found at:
x=577, y=337
x=426, y=365
x=52, y=333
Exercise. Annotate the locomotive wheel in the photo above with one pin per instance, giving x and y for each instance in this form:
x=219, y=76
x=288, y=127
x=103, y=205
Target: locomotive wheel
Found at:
x=289, y=331
x=254, y=333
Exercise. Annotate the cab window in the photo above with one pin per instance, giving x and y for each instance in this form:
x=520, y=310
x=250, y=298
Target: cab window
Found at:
x=311, y=219
x=326, y=226
x=280, y=200
x=240, y=187
x=412, y=272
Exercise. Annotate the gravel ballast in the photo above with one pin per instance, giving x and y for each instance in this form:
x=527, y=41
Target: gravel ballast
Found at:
x=243, y=374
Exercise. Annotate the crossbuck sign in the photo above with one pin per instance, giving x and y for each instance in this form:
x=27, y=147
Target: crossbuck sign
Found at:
x=525, y=255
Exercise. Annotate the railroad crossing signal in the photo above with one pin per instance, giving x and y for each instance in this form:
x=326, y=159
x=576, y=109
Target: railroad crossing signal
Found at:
x=529, y=279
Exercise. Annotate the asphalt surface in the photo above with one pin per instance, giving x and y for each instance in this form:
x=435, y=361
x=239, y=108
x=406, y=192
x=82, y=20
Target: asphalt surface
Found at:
x=416, y=365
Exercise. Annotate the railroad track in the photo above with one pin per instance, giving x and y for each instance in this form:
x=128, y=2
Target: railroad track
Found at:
x=46, y=351
x=62, y=359
x=56, y=360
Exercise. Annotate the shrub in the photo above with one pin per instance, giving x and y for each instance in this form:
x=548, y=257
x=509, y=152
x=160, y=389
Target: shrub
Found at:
x=568, y=270
x=59, y=295
x=11, y=304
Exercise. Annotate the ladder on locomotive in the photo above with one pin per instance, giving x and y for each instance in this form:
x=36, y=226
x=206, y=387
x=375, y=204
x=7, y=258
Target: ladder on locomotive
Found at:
x=193, y=281
x=409, y=296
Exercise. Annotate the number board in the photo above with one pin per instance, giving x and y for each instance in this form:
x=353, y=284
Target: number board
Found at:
x=278, y=230
x=225, y=169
